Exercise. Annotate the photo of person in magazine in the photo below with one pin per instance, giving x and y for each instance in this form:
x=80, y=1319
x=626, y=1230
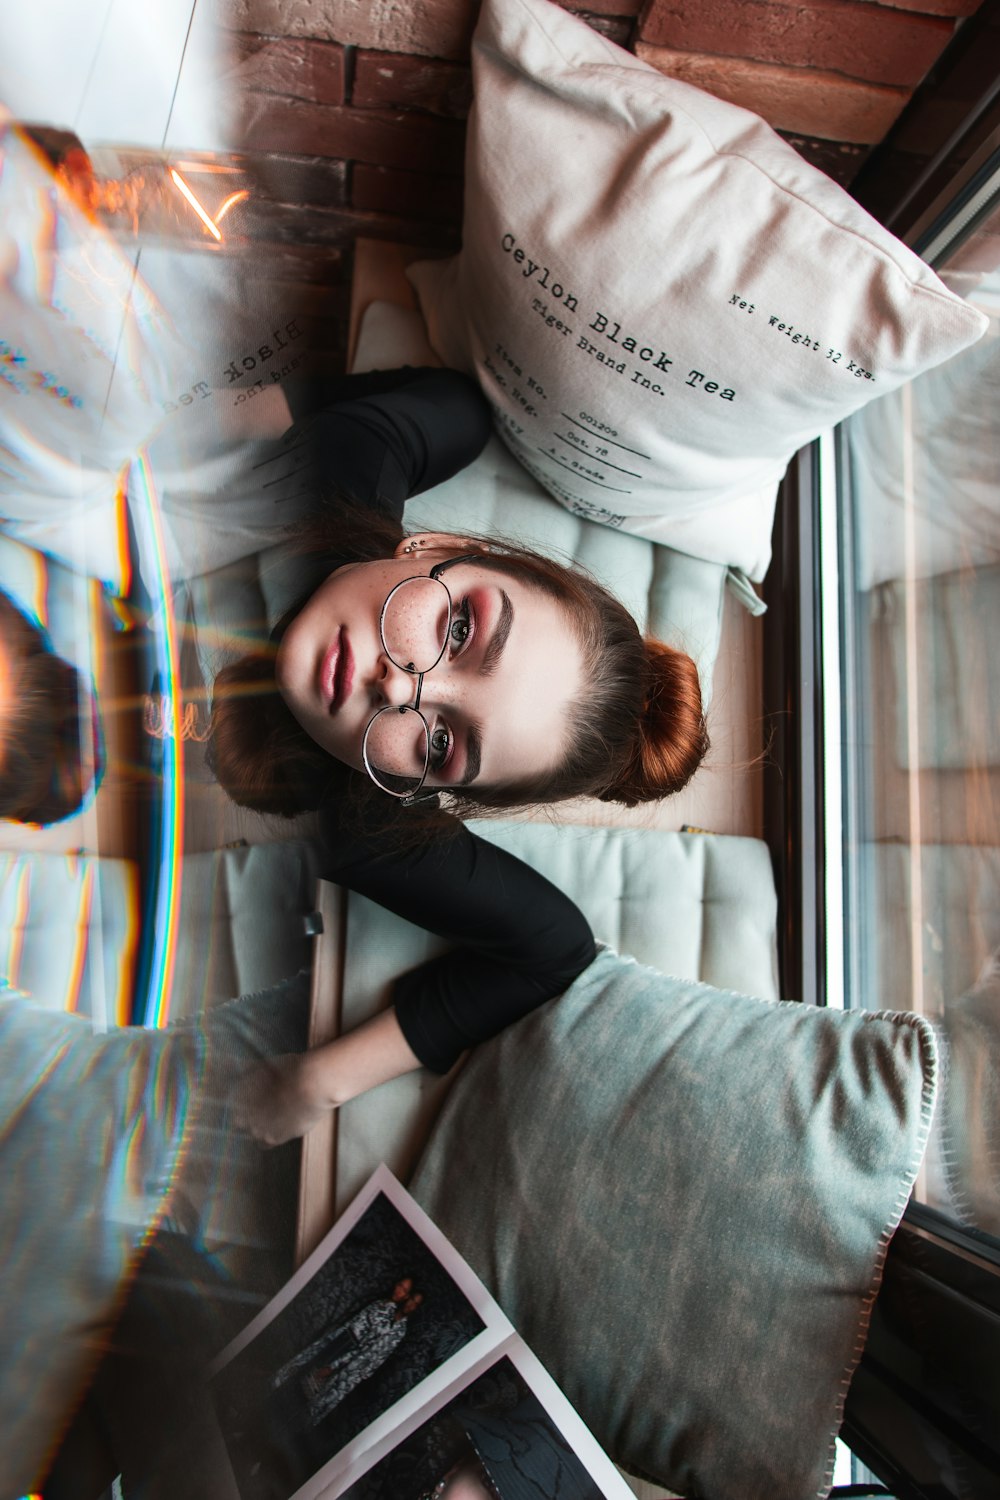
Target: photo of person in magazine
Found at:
x=332, y=1365
x=375, y=1319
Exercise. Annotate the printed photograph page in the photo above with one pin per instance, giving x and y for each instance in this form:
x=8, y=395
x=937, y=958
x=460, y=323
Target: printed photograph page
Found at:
x=378, y=1324
x=502, y=1431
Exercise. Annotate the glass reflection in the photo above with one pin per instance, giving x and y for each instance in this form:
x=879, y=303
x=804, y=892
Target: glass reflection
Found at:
x=135, y=372
x=923, y=579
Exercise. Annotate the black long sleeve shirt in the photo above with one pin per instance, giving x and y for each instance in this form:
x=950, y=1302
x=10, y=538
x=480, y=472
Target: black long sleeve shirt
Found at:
x=378, y=439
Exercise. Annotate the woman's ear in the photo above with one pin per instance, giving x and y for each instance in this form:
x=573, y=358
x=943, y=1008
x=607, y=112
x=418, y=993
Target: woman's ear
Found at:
x=436, y=541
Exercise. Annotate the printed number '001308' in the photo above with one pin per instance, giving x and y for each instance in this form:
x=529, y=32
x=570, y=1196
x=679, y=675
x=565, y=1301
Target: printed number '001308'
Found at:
x=598, y=426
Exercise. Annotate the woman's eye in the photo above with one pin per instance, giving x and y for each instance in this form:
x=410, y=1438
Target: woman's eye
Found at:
x=440, y=747
x=461, y=625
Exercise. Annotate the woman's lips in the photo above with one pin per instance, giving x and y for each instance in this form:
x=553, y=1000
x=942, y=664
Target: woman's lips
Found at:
x=336, y=673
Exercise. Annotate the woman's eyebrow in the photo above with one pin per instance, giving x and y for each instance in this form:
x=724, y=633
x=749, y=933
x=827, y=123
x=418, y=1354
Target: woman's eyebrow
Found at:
x=473, y=755
x=498, y=640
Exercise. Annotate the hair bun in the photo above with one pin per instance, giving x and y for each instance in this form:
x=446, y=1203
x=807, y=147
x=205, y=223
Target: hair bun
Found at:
x=672, y=738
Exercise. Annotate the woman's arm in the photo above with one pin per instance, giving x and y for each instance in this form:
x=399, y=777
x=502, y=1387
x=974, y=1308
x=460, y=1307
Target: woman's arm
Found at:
x=380, y=437
x=518, y=939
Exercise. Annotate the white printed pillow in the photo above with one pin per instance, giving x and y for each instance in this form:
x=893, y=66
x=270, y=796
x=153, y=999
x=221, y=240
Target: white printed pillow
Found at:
x=661, y=299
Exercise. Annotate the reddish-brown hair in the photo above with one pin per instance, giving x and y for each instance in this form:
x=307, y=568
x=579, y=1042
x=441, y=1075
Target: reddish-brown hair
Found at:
x=42, y=777
x=637, y=734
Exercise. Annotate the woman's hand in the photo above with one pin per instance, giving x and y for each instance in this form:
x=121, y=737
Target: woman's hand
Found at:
x=282, y=1098
x=286, y=1096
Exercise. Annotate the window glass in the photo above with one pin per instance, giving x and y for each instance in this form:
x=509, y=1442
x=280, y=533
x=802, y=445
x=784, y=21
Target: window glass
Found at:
x=919, y=502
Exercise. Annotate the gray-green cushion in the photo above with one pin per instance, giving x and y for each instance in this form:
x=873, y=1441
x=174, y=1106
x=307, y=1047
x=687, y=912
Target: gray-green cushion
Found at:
x=682, y=1198
x=243, y=915
x=101, y=1134
x=968, y=1121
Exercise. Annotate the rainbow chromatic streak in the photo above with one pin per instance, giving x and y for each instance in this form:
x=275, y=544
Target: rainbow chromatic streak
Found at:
x=166, y=905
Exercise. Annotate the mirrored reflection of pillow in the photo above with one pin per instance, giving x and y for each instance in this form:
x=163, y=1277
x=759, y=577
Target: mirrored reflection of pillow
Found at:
x=682, y=1198
x=969, y=1134
x=85, y=361
x=91, y=1126
x=931, y=507
x=661, y=299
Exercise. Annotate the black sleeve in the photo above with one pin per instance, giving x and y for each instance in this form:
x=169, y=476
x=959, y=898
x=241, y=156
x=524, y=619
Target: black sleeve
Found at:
x=378, y=438
x=520, y=940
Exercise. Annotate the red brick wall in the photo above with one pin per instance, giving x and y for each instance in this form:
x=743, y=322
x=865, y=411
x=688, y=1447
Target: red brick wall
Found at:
x=359, y=105
x=351, y=112
x=839, y=70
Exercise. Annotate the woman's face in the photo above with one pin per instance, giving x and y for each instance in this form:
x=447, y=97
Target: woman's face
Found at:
x=496, y=704
x=465, y=1483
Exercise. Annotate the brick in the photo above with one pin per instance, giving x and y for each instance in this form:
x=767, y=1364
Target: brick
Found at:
x=412, y=141
x=862, y=40
x=400, y=81
x=432, y=28
x=295, y=224
x=274, y=176
x=300, y=69
x=413, y=194
x=800, y=100
x=300, y=179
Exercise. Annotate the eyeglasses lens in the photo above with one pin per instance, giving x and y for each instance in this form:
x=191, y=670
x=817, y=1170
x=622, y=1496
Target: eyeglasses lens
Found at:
x=415, y=622
x=396, y=750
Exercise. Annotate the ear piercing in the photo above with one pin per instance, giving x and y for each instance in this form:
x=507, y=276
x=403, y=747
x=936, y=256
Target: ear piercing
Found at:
x=420, y=541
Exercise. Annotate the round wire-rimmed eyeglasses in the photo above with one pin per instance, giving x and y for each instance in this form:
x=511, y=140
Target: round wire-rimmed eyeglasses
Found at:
x=415, y=626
